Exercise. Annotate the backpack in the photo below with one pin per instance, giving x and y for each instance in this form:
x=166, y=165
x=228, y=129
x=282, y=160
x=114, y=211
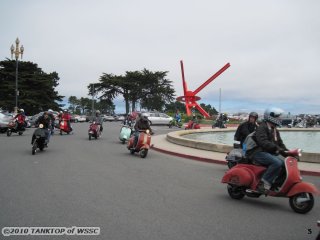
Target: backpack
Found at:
x=249, y=143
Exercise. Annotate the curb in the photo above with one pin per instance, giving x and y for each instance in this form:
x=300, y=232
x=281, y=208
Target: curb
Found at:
x=221, y=162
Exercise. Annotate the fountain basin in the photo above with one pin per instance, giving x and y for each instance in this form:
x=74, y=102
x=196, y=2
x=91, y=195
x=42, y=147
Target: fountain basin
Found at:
x=178, y=137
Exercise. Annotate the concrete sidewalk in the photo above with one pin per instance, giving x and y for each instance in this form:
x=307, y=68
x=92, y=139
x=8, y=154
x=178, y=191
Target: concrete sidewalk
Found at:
x=159, y=143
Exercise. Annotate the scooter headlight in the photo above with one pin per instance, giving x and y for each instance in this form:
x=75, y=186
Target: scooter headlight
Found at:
x=299, y=152
x=147, y=131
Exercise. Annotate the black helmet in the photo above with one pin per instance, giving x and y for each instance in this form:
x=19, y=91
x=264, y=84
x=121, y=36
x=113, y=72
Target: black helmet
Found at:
x=253, y=114
x=273, y=115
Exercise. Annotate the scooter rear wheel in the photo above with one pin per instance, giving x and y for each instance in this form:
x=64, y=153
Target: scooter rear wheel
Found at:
x=235, y=192
x=301, y=207
x=20, y=133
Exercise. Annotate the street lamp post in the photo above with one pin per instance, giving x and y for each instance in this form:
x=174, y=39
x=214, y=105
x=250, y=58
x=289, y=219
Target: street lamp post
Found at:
x=17, y=52
x=92, y=108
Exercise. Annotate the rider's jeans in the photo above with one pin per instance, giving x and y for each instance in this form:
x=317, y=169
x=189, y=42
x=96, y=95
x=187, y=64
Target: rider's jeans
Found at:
x=274, y=164
x=136, y=137
x=48, y=134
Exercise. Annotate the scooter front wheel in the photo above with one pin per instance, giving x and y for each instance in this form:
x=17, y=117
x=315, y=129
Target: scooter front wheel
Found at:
x=20, y=133
x=231, y=164
x=235, y=192
x=90, y=137
x=143, y=153
x=9, y=133
x=302, y=202
x=34, y=147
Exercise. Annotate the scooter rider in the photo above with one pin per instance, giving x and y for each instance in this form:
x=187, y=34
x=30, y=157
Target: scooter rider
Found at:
x=66, y=117
x=52, y=118
x=20, y=119
x=177, y=116
x=269, y=146
x=98, y=119
x=45, y=121
x=244, y=129
x=141, y=124
x=194, y=121
x=128, y=120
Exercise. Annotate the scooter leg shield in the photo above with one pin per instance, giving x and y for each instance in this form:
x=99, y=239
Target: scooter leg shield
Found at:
x=238, y=176
x=303, y=187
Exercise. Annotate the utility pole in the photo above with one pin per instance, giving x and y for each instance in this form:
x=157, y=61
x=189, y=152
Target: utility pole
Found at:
x=17, y=52
x=92, y=107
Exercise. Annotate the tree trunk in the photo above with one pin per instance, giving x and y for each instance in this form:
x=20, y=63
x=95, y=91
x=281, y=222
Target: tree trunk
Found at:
x=134, y=105
x=127, y=104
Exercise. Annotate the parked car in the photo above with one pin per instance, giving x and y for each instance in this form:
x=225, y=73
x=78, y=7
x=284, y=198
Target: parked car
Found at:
x=28, y=124
x=157, y=118
x=108, y=118
x=78, y=118
x=4, y=121
x=119, y=118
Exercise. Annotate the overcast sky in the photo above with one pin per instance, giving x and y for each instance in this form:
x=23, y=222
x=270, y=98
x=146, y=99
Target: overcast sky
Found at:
x=273, y=46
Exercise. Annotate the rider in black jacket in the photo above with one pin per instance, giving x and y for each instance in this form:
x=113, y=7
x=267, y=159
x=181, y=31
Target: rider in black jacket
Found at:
x=142, y=124
x=269, y=148
x=244, y=129
x=45, y=120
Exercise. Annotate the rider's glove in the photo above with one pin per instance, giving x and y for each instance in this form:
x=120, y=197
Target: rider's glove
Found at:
x=284, y=153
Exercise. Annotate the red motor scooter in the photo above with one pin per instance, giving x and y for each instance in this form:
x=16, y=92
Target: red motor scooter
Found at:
x=143, y=143
x=94, y=130
x=243, y=180
x=192, y=125
x=15, y=127
x=64, y=127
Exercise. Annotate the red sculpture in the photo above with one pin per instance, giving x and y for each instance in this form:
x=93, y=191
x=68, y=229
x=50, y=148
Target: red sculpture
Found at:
x=190, y=97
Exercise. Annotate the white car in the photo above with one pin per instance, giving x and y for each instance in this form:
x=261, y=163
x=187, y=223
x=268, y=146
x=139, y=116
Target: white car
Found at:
x=79, y=118
x=156, y=118
x=120, y=118
x=4, y=121
x=108, y=118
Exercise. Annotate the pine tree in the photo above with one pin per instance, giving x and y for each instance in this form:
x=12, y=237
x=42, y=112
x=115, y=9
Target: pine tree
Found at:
x=36, y=88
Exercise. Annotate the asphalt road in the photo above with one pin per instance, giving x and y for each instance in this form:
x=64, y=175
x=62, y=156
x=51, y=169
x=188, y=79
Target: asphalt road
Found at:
x=77, y=182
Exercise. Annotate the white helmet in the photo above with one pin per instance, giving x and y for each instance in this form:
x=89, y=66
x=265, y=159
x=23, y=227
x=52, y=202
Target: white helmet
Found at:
x=50, y=111
x=21, y=110
x=273, y=115
x=144, y=116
